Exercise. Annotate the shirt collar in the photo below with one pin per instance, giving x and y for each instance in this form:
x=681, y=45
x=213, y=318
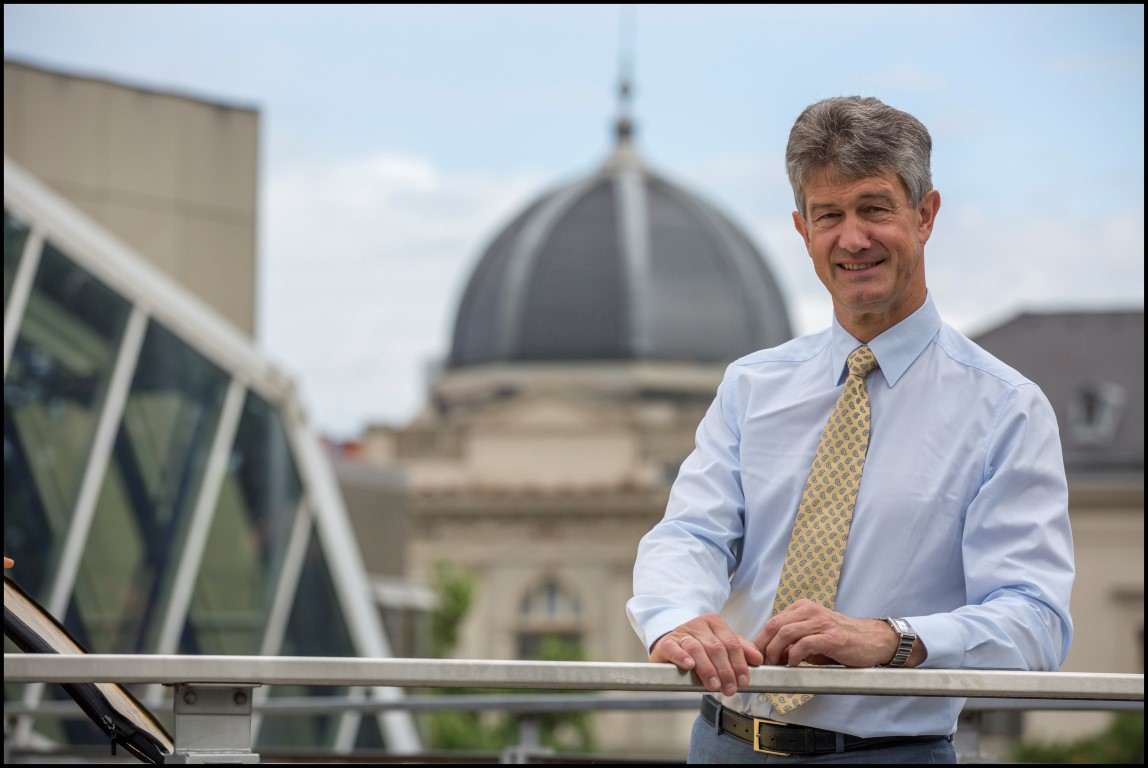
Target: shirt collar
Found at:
x=896, y=348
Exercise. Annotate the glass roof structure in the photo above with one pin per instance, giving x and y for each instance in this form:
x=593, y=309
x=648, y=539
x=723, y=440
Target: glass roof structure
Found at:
x=163, y=492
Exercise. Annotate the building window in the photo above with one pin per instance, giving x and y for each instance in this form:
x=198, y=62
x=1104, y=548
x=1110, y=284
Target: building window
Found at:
x=550, y=624
x=1094, y=413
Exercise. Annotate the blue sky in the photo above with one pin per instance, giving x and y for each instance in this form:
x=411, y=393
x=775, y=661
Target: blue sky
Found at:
x=396, y=140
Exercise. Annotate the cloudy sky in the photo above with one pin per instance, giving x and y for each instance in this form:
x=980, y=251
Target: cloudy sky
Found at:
x=397, y=140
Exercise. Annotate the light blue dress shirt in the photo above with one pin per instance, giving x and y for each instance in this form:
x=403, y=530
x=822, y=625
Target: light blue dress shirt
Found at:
x=961, y=523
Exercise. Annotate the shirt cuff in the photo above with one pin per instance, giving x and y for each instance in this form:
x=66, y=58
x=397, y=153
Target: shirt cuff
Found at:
x=663, y=623
x=941, y=635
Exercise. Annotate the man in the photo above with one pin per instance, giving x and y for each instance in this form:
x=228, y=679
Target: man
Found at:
x=959, y=548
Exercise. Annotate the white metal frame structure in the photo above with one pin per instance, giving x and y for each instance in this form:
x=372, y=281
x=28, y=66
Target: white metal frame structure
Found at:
x=320, y=512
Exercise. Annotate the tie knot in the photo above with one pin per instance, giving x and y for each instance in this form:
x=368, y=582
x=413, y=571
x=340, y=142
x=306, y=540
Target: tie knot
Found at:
x=861, y=361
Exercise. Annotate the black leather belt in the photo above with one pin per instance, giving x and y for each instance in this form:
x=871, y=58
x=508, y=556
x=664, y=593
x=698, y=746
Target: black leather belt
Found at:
x=787, y=739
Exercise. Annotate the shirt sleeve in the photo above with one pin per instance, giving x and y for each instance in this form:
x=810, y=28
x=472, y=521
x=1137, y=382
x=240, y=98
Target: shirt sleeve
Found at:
x=684, y=563
x=1017, y=550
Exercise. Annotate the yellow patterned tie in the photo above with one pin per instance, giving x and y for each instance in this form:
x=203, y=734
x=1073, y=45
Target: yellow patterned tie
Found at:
x=817, y=546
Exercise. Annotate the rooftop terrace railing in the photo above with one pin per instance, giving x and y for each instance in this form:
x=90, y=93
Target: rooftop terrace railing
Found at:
x=234, y=677
x=557, y=675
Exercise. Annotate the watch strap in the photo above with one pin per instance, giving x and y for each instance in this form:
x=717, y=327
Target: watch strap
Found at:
x=907, y=639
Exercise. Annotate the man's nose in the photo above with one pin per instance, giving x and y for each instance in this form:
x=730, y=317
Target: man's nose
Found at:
x=854, y=235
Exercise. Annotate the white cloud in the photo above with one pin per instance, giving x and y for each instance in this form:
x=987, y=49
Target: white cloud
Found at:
x=985, y=267
x=363, y=262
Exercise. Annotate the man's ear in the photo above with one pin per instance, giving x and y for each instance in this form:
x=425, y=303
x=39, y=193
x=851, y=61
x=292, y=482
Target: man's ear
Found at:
x=927, y=214
x=801, y=227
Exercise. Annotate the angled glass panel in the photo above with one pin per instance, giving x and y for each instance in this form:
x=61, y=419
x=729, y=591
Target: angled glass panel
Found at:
x=317, y=627
x=369, y=737
x=236, y=582
x=148, y=495
x=15, y=233
x=55, y=388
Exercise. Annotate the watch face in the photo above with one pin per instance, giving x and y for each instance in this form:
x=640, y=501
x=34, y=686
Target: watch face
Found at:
x=906, y=641
x=901, y=626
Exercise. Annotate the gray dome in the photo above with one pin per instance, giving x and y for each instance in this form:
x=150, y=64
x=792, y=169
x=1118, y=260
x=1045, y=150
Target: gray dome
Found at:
x=621, y=265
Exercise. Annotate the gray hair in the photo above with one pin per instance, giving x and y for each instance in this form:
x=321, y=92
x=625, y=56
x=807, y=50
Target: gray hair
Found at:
x=851, y=138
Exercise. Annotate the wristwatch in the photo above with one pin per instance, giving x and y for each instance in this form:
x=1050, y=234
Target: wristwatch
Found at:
x=908, y=638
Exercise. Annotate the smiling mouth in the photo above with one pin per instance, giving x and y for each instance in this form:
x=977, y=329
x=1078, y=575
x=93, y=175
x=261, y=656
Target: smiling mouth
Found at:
x=853, y=267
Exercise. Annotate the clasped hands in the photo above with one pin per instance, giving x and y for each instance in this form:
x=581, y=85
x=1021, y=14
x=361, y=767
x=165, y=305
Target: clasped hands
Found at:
x=803, y=632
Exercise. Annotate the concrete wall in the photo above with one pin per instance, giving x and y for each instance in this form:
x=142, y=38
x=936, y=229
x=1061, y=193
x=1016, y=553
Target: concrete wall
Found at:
x=1107, y=597
x=173, y=176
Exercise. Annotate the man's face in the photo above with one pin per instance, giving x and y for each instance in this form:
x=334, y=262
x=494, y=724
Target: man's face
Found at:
x=867, y=243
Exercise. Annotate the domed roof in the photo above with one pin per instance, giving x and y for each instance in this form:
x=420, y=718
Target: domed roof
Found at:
x=620, y=265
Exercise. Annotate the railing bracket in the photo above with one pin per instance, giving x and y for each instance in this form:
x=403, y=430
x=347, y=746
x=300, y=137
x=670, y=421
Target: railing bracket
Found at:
x=212, y=724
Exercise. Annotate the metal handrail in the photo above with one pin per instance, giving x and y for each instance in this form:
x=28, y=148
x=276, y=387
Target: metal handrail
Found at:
x=524, y=704
x=571, y=675
x=218, y=728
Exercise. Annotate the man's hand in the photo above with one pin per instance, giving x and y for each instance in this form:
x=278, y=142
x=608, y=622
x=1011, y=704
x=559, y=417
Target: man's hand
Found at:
x=809, y=632
x=720, y=658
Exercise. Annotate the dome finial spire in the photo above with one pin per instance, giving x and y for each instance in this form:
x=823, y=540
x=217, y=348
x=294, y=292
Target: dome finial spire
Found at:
x=625, y=124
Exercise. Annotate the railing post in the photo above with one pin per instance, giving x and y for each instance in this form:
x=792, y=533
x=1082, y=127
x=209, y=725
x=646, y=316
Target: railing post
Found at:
x=212, y=724
x=967, y=742
x=529, y=742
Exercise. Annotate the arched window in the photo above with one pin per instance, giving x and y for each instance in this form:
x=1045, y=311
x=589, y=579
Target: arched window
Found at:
x=550, y=624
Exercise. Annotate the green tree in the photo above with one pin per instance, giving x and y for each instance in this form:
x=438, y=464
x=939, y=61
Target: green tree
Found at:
x=455, y=589
x=488, y=730
x=1121, y=742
